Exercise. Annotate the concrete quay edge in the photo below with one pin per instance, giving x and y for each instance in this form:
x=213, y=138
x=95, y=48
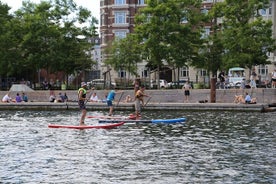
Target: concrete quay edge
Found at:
x=259, y=107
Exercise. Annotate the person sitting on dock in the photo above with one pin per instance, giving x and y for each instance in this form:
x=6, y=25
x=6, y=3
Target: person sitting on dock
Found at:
x=247, y=100
x=18, y=98
x=52, y=97
x=94, y=98
x=128, y=99
x=24, y=97
x=7, y=98
x=238, y=99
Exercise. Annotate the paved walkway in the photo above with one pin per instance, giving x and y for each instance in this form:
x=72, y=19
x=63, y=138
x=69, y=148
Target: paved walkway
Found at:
x=161, y=100
x=263, y=95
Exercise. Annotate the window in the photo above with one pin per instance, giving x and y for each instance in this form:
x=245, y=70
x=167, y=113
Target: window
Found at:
x=203, y=73
x=120, y=17
x=120, y=2
x=204, y=11
x=263, y=70
x=120, y=34
x=262, y=12
x=145, y=73
x=206, y=33
x=122, y=73
x=184, y=72
x=141, y=1
x=270, y=10
x=184, y=18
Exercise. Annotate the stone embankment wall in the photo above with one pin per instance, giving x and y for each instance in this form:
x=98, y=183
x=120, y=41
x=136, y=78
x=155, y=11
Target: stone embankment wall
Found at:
x=263, y=95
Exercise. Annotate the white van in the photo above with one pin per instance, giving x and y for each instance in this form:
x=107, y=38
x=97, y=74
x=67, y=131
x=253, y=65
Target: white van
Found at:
x=163, y=83
x=236, y=75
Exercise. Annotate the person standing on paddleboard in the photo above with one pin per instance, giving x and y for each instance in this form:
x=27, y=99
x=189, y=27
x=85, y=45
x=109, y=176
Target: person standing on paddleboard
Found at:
x=82, y=101
x=110, y=97
x=139, y=97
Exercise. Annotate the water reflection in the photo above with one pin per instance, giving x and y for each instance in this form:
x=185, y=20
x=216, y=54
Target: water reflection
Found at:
x=212, y=147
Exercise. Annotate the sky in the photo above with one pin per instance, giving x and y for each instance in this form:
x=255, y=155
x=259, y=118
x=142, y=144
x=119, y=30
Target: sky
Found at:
x=92, y=5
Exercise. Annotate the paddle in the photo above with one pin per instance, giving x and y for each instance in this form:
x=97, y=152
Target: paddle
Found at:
x=147, y=101
x=120, y=99
x=149, y=97
x=90, y=94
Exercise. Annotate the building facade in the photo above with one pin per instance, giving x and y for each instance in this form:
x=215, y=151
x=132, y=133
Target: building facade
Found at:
x=117, y=20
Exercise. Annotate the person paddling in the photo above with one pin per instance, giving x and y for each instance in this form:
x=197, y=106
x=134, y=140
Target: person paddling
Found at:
x=82, y=101
x=109, y=100
x=139, y=98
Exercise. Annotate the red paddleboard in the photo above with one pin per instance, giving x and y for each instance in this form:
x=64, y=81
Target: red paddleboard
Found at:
x=81, y=127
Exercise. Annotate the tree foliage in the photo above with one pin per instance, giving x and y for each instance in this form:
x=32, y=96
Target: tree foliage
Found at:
x=247, y=37
x=46, y=35
x=125, y=54
x=170, y=31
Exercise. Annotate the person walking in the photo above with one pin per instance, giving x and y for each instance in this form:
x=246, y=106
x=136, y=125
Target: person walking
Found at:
x=253, y=78
x=221, y=77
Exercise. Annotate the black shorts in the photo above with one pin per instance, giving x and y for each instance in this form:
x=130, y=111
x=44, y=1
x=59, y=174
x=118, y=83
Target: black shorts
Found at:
x=187, y=93
x=81, y=104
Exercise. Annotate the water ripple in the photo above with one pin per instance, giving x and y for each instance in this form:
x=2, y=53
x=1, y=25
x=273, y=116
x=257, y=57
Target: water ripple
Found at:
x=212, y=147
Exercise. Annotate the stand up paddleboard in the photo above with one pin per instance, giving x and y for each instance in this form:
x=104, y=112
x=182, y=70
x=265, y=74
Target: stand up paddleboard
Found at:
x=106, y=126
x=111, y=117
x=165, y=121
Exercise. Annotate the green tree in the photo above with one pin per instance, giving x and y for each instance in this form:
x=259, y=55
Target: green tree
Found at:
x=246, y=35
x=125, y=54
x=46, y=35
x=212, y=50
x=8, y=44
x=170, y=31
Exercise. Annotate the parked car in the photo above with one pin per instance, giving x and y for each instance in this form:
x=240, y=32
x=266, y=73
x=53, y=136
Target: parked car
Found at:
x=163, y=84
x=99, y=83
x=176, y=84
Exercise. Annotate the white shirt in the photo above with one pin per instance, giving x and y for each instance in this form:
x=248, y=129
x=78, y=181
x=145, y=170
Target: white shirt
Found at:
x=6, y=98
x=94, y=98
x=186, y=86
x=274, y=75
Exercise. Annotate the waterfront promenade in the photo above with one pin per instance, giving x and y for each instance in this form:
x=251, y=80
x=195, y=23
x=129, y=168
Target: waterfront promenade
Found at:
x=160, y=100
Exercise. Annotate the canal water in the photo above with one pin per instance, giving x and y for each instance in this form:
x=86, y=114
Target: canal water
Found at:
x=211, y=147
